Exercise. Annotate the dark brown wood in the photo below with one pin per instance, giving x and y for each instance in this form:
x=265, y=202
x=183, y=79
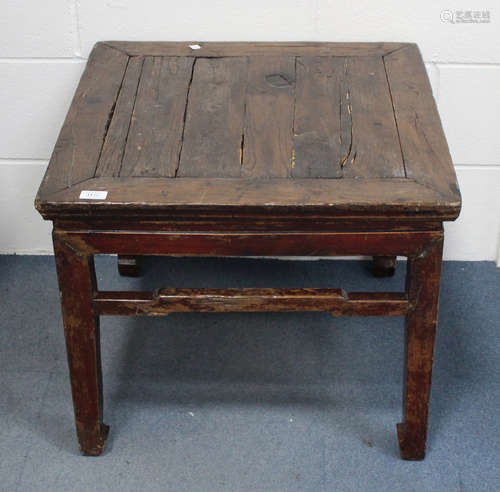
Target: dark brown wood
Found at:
x=215, y=117
x=250, y=149
x=154, y=140
x=77, y=285
x=425, y=151
x=369, y=136
x=128, y=266
x=384, y=266
x=250, y=244
x=249, y=223
x=317, y=146
x=267, y=145
x=369, y=119
x=398, y=198
x=423, y=280
x=110, y=161
x=80, y=141
x=335, y=301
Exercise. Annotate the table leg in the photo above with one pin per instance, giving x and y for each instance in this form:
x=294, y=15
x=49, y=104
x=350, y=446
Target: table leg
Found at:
x=128, y=266
x=77, y=284
x=423, y=279
x=384, y=266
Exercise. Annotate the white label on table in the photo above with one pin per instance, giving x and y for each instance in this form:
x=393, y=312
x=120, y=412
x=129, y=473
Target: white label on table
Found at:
x=195, y=46
x=93, y=195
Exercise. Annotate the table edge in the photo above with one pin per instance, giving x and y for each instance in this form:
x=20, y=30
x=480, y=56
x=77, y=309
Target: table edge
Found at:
x=242, y=48
x=325, y=197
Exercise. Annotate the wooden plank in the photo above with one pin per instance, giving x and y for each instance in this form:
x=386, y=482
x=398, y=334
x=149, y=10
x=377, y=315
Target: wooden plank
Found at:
x=335, y=301
x=155, y=137
x=114, y=146
x=330, y=197
x=316, y=124
x=250, y=244
x=213, y=134
x=77, y=150
x=249, y=222
x=426, y=154
x=370, y=143
x=267, y=149
x=217, y=49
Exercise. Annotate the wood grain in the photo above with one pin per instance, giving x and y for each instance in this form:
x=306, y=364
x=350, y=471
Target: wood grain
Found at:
x=155, y=138
x=316, y=127
x=77, y=284
x=79, y=144
x=371, y=145
x=250, y=244
x=422, y=284
x=114, y=145
x=232, y=197
x=267, y=150
x=217, y=49
x=248, y=222
x=208, y=121
x=335, y=301
x=426, y=155
x=213, y=138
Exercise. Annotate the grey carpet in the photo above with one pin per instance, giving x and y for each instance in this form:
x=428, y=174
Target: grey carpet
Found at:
x=249, y=402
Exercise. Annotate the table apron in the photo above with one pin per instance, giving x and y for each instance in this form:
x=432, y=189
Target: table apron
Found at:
x=406, y=243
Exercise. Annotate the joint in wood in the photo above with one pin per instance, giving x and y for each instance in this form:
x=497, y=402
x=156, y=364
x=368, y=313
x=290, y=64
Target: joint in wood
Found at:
x=67, y=244
x=428, y=247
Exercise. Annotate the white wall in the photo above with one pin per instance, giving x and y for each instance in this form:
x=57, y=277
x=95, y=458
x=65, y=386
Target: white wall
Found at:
x=44, y=45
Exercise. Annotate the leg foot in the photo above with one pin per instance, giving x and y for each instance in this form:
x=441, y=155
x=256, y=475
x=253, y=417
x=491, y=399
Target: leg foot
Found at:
x=411, y=447
x=92, y=441
x=128, y=266
x=384, y=266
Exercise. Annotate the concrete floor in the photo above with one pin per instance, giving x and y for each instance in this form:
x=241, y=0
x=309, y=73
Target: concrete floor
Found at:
x=249, y=402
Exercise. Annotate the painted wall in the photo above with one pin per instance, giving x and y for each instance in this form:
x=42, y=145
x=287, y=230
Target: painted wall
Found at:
x=44, y=46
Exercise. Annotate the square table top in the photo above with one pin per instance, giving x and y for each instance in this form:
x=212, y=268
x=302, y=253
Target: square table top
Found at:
x=331, y=129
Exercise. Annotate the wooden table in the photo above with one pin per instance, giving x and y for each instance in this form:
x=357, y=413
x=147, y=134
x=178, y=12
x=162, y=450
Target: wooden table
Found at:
x=297, y=149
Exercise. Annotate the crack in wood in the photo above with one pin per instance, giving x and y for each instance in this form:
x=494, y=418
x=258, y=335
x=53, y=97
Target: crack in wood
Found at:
x=345, y=118
x=92, y=63
x=185, y=116
x=242, y=146
x=111, y=113
x=394, y=109
x=243, y=123
x=244, y=118
x=131, y=116
x=348, y=106
x=292, y=161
